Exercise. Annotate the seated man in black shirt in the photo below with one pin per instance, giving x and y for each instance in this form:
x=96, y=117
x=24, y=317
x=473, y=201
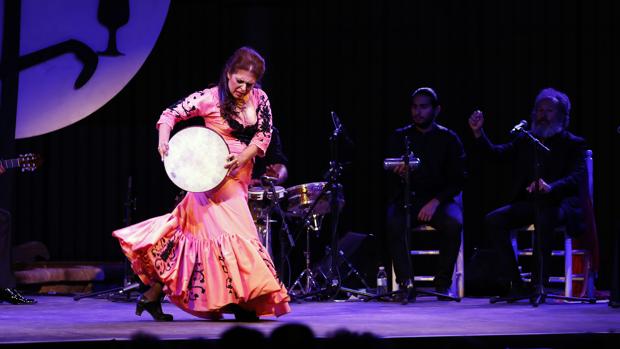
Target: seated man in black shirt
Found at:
x=558, y=189
x=434, y=185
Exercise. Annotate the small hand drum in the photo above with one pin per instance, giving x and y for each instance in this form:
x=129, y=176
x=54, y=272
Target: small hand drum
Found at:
x=260, y=200
x=391, y=163
x=301, y=199
x=196, y=158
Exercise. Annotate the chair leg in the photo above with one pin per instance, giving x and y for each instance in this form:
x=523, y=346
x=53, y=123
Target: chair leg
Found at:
x=458, y=277
x=568, y=267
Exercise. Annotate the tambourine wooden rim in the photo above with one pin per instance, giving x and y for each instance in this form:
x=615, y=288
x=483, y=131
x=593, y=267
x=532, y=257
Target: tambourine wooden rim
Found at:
x=196, y=158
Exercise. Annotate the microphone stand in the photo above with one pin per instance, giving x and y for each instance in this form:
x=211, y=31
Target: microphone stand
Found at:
x=409, y=291
x=333, y=286
x=540, y=295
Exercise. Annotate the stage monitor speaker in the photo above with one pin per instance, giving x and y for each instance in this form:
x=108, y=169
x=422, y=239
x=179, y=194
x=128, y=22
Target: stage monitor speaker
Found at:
x=481, y=275
x=357, y=252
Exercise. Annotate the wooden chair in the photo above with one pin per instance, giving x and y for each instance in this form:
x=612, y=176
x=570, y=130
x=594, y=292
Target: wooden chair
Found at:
x=457, y=288
x=578, y=277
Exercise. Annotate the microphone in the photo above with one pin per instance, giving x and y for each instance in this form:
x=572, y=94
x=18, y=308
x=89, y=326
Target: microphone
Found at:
x=339, y=128
x=519, y=127
x=337, y=123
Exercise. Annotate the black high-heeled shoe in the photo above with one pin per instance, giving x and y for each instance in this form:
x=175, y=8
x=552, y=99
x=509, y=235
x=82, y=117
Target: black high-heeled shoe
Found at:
x=243, y=314
x=153, y=308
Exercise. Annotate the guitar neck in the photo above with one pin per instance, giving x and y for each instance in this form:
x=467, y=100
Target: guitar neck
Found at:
x=10, y=163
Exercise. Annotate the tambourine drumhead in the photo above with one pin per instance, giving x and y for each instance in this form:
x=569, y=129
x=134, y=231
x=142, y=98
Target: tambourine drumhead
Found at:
x=196, y=158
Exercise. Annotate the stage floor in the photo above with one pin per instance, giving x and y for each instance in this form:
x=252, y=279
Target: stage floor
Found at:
x=62, y=319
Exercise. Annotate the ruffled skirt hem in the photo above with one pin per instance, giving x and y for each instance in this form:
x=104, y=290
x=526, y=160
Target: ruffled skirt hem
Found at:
x=202, y=276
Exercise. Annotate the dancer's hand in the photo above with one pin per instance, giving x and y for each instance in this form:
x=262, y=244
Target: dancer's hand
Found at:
x=163, y=148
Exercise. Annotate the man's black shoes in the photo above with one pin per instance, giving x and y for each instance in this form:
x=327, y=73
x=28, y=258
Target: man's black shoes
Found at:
x=10, y=295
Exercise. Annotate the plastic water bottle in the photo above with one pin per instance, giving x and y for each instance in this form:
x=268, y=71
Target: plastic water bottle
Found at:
x=382, y=281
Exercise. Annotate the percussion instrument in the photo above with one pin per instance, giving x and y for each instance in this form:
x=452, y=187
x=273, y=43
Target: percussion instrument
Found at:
x=263, y=193
x=302, y=197
x=261, y=201
x=391, y=163
x=196, y=158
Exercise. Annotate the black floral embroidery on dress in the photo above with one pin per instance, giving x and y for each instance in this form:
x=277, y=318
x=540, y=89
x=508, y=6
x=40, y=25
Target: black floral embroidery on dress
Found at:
x=265, y=257
x=194, y=288
x=264, y=115
x=244, y=134
x=229, y=285
x=168, y=250
x=263, y=124
x=180, y=102
x=164, y=254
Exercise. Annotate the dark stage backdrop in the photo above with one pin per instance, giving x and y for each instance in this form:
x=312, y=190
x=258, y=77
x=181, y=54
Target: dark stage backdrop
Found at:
x=359, y=59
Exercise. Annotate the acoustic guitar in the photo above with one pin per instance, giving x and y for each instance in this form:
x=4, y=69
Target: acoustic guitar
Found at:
x=26, y=162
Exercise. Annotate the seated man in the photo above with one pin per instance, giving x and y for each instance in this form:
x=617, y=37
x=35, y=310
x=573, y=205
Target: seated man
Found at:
x=434, y=186
x=8, y=293
x=554, y=184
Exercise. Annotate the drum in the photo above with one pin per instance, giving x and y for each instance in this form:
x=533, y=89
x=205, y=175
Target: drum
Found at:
x=262, y=193
x=259, y=200
x=196, y=158
x=260, y=203
x=302, y=197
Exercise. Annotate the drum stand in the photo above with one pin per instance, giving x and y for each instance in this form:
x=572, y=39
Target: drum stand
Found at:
x=310, y=286
x=274, y=204
x=264, y=229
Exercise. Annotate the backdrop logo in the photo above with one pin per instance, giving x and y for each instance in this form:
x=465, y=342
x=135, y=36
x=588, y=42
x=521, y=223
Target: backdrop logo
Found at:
x=76, y=55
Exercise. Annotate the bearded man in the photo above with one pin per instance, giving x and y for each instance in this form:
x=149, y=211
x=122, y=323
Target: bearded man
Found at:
x=550, y=179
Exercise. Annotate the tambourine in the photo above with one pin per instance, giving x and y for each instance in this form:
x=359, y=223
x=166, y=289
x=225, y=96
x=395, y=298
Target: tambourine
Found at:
x=196, y=158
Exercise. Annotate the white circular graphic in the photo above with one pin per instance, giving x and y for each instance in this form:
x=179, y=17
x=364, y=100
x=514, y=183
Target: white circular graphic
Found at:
x=64, y=37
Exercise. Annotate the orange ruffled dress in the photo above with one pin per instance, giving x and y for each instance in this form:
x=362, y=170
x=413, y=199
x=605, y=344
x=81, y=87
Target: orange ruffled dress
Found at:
x=207, y=252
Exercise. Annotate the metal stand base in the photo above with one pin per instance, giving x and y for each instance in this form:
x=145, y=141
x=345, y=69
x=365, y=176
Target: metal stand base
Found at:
x=308, y=289
x=539, y=297
x=120, y=292
x=410, y=294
